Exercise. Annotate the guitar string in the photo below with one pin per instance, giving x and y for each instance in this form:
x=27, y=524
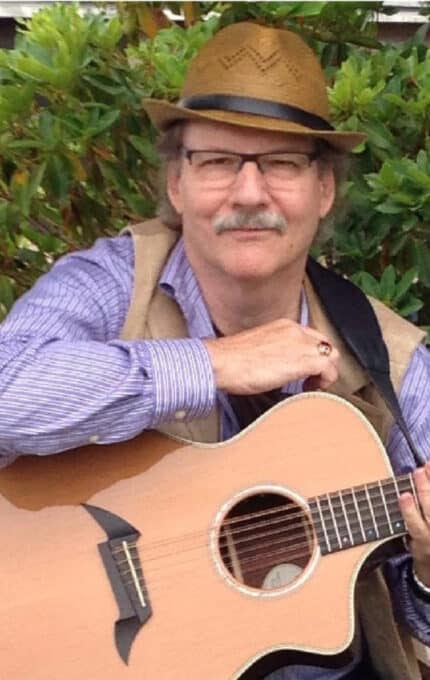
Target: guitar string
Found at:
x=305, y=549
x=290, y=514
x=389, y=483
x=257, y=556
x=251, y=557
x=286, y=532
x=333, y=542
x=258, y=561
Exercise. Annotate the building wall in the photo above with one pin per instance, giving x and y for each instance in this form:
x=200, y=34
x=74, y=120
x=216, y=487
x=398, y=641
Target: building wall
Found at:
x=7, y=32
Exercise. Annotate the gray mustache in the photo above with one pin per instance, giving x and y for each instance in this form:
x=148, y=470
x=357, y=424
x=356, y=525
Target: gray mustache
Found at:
x=262, y=219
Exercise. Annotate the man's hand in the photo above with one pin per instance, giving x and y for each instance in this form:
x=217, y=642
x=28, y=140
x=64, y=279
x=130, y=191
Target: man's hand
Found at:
x=418, y=523
x=270, y=356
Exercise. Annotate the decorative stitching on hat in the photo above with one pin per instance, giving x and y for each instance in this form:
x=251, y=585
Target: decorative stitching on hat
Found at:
x=263, y=63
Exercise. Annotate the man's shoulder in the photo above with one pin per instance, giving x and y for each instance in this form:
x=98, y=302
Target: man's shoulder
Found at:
x=102, y=250
x=401, y=337
x=148, y=228
x=393, y=325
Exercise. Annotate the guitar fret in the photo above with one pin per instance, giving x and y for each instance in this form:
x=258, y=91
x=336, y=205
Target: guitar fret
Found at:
x=327, y=547
x=380, y=510
x=322, y=514
x=405, y=484
x=396, y=515
x=355, y=523
x=384, y=502
x=360, y=521
x=340, y=520
x=345, y=513
x=365, y=513
x=413, y=489
x=369, y=500
x=333, y=517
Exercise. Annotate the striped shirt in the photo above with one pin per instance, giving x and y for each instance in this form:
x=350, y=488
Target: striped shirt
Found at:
x=66, y=379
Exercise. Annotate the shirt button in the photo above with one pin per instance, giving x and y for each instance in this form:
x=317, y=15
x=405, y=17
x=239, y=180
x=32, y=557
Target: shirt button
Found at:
x=94, y=439
x=180, y=415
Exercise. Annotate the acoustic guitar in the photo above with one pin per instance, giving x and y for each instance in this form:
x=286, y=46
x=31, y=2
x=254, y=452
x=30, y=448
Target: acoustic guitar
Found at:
x=158, y=559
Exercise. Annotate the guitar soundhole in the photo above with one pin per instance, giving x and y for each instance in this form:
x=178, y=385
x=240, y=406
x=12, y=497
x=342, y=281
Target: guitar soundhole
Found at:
x=266, y=541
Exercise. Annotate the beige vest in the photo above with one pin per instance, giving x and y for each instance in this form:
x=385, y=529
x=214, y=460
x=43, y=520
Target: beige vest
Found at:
x=154, y=315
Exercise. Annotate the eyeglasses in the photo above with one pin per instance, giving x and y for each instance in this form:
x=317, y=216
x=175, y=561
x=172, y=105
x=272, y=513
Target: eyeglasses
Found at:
x=219, y=169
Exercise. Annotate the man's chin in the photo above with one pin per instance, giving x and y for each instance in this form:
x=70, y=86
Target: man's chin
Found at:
x=250, y=270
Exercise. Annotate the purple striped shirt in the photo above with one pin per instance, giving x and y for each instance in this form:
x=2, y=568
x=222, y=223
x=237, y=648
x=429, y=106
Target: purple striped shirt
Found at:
x=67, y=380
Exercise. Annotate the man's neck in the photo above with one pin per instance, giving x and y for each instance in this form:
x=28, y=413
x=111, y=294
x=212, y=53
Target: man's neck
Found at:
x=235, y=306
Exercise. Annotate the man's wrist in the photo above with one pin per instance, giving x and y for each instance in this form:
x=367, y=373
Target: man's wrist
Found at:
x=420, y=589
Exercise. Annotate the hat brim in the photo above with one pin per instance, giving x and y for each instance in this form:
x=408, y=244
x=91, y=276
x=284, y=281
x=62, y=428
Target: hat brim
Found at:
x=163, y=114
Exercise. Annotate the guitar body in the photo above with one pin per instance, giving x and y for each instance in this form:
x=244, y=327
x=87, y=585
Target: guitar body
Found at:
x=211, y=616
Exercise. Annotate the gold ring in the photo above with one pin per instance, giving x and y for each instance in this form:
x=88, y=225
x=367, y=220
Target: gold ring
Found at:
x=324, y=348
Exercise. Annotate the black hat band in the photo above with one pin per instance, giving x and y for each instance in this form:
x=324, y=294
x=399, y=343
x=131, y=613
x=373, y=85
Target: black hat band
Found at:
x=258, y=107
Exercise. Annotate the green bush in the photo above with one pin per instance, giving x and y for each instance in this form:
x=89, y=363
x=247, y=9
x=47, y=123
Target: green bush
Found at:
x=77, y=155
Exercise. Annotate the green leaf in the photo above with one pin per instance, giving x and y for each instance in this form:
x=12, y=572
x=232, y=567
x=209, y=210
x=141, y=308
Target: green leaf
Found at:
x=412, y=306
x=387, y=283
x=379, y=134
x=389, y=208
x=145, y=147
x=106, y=121
x=367, y=283
x=143, y=207
x=300, y=9
x=404, y=285
x=59, y=174
x=422, y=258
x=7, y=292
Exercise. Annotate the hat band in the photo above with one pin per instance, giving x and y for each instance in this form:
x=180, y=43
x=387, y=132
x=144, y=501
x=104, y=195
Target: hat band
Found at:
x=258, y=107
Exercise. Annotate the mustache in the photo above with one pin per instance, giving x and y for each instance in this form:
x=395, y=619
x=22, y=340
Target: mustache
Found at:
x=255, y=219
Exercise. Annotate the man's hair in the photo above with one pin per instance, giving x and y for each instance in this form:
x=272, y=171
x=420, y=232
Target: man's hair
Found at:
x=169, y=147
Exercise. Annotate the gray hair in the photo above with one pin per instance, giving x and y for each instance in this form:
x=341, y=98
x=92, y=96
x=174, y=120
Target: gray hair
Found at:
x=169, y=148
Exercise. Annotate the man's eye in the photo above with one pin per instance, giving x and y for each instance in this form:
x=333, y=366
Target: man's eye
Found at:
x=219, y=160
x=279, y=163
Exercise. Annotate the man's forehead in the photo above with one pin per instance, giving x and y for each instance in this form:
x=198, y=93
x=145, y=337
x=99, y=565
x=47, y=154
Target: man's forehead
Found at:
x=211, y=135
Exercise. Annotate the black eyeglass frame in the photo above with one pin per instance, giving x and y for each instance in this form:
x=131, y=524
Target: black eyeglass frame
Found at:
x=251, y=157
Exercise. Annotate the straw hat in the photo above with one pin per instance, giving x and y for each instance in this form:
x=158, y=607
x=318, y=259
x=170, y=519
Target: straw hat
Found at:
x=256, y=77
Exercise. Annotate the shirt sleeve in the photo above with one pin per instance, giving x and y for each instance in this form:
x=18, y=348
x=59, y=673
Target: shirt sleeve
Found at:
x=409, y=608
x=66, y=380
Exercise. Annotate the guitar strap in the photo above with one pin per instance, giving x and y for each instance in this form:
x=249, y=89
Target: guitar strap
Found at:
x=353, y=316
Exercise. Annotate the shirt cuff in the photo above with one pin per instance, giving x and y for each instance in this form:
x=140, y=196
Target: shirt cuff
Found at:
x=182, y=377
x=421, y=592
x=416, y=607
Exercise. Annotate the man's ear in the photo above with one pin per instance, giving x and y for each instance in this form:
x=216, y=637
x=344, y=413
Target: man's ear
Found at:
x=328, y=191
x=173, y=179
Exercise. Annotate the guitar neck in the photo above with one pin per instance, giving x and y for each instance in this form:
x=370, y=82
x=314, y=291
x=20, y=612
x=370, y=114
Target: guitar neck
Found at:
x=360, y=514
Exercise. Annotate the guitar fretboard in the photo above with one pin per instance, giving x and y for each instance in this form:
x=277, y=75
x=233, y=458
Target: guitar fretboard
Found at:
x=360, y=514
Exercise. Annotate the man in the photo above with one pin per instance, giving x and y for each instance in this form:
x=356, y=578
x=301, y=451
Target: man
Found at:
x=156, y=330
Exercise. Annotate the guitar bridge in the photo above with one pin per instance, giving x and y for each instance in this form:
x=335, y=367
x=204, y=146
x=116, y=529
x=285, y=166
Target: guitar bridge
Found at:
x=124, y=570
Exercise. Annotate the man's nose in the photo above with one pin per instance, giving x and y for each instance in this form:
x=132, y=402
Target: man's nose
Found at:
x=250, y=187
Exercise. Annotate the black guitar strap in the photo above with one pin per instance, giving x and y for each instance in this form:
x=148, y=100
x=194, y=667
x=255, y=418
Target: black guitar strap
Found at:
x=352, y=315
